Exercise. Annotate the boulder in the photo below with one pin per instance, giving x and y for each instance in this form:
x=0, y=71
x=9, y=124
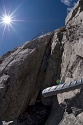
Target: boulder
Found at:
x=25, y=66
x=37, y=64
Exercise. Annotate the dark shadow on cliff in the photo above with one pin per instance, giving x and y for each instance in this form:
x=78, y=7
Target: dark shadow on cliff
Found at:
x=74, y=105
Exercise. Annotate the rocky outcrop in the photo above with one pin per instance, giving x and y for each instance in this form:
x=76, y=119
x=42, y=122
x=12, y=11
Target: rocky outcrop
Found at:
x=27, y=70
x=25, y=67
x=75, y=17
x=70, y=119
x=72, y=58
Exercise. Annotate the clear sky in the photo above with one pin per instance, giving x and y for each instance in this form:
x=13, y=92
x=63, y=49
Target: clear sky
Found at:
x=29, y=18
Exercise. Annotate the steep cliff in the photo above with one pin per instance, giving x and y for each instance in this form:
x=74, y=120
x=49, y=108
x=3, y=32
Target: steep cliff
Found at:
x=27, y=70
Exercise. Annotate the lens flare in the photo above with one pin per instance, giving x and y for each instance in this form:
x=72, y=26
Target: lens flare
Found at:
x=7, y=20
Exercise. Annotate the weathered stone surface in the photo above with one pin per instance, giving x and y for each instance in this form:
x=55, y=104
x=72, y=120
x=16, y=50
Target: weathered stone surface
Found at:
x=27, y=70
x=69, y=120
x=72, y=65
x=75, y=17
x=31, y=68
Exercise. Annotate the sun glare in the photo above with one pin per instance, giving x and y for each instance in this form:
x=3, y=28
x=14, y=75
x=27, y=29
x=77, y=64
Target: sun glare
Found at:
x=7, y=20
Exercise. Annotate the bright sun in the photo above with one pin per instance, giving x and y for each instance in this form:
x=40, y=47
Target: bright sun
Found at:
x=7, y=20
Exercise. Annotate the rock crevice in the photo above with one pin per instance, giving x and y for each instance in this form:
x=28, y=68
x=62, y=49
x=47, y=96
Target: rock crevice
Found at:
x=27, y=70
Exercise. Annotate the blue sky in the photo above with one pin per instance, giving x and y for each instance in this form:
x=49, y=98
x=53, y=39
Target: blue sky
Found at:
x=32, y=16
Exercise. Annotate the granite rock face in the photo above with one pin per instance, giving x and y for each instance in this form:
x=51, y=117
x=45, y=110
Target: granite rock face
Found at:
x=25, y=66
x=70, y=119
x=27, y=70
x=72, y=58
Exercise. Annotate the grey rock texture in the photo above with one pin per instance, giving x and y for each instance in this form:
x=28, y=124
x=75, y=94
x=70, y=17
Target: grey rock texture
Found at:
x=27, y=70
x=70, y=119
x=75, y=17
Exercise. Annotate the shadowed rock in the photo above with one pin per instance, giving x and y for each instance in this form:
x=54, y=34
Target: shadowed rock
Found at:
x=36, y=65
